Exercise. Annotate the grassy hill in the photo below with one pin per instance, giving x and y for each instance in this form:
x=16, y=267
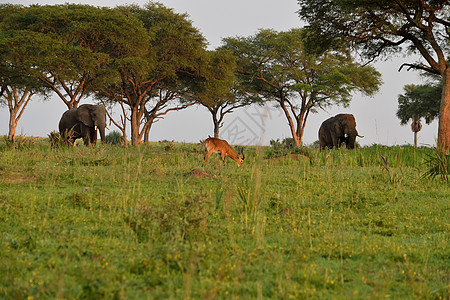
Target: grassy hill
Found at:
x=150, y=222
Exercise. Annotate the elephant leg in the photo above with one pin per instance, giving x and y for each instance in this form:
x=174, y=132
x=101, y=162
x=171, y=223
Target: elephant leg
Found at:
x=93, y=137
x=322, y=143
x=85, y=134
x=335, y=141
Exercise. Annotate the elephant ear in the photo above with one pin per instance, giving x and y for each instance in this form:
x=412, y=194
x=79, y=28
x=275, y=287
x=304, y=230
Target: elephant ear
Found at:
x=338, y=128
x=84, y=116
x=343, y=124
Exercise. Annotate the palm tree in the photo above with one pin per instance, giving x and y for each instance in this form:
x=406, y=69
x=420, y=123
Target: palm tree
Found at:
x=419, y=101
x=416, y=126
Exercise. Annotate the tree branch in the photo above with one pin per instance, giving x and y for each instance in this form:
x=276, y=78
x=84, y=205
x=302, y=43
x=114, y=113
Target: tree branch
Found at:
x=419, y=67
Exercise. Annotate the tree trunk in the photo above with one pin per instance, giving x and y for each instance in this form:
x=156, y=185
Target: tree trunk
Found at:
x=216, y=130
x=134, y=126
x=291, y=124
x=301, y=124
x=415, y=139
x=12, y=125
x=299, y=132
x=147, y=131
x=125, y=141
x=295, y=135
x=17, y=102
x=444, y=113
x=146, y=134
x=216, y=121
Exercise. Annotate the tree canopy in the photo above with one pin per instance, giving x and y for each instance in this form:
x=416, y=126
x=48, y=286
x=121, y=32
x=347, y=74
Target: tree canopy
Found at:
x=419, y=101
x=71, y=46
x=383, y=27
x=150, y=81
x=18, y=85
x=275, y=66
x=217, y=87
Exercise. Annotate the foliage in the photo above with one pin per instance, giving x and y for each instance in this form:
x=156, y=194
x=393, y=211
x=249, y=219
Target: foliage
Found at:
x=381, y=27
x=438, y=165
x=108, y=222
x=286, y=143
x=217, y=88
x=56, y=140
x=17, y=85
x=384, y=27
x=419, y=101
x=21, y=142
x=152, y=79
x=70, y=47
x=114, y=138
x=275, y=66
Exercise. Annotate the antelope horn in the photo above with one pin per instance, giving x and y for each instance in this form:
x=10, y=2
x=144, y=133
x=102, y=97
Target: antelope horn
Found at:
x=242, y=152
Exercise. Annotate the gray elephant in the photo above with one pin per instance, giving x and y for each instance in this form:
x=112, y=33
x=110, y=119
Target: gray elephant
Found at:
x=84, y=120
x=337, y=130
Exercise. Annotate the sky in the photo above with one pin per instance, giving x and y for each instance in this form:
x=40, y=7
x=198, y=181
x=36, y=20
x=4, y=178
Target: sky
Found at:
x=217, y=19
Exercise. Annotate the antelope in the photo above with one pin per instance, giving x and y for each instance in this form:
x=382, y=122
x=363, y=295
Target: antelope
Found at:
x=215, y=145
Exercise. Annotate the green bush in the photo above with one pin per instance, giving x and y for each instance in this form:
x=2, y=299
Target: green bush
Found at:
x=114, y=138
x=438, y=164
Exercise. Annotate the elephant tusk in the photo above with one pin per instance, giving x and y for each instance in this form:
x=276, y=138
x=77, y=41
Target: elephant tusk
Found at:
x=95, y=127
x=107, y=127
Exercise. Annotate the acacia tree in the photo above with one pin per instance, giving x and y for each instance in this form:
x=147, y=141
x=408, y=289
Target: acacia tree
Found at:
x=149, y=83
x=216, y=88
x=17, y=85
x=69, y=52
x=419, y=101
x=382, y=27
x=16, y=99
x=276, y=67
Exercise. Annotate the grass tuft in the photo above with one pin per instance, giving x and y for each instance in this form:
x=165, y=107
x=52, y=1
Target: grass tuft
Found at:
x=438, y=164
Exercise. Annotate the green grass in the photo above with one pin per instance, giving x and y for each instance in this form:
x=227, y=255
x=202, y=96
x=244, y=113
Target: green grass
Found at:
x=109, y=222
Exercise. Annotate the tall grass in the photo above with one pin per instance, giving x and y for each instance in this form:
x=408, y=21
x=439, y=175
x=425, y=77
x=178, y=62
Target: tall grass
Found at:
x=108, y=222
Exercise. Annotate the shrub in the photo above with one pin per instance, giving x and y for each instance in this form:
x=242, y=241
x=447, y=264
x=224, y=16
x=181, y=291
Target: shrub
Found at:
x=114, y=138
x=285, y=147
x=55, y=139
x=287, y=143
x=20, y=142
x=438, y=164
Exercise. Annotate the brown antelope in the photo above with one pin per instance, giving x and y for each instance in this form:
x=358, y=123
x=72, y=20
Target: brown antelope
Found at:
x=215, y=145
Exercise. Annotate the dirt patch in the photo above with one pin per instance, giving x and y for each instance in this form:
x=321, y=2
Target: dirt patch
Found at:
x=299, y=157
x=200, y=173
x=14, y=177
x=286, y=211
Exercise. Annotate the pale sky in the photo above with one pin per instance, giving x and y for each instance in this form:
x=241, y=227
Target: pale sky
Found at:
x=217, y=19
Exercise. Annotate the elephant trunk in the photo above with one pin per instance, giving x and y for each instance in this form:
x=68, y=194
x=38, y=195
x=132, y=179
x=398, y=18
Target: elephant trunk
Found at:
x=100, y=121
x=350, y=139
x=100, y=126
x=102, y=133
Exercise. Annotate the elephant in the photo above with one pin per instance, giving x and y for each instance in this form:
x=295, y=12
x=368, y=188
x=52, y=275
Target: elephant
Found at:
x=337, y=130
x=84, y=121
